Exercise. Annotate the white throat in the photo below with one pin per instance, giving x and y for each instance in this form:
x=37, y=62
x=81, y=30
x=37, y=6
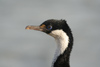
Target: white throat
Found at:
x=62, y=42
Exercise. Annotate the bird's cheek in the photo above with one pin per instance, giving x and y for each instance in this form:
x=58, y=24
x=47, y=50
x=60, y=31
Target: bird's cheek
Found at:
x=46, y=31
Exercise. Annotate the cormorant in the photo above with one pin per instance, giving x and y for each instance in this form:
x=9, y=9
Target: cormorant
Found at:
x=60, y=30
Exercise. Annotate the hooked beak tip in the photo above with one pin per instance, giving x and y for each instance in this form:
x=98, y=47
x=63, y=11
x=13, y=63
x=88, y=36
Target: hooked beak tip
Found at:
x=27, y=27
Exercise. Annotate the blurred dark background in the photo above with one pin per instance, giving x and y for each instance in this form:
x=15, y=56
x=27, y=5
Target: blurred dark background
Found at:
x=28, y=48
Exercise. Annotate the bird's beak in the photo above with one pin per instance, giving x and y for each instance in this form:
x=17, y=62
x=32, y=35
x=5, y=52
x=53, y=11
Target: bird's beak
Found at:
x=38, y=28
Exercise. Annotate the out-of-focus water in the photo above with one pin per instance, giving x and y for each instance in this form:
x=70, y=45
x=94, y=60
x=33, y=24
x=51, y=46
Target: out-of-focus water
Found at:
x=28, y=48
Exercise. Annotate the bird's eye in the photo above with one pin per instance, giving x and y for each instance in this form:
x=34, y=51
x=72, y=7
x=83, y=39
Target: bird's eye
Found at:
x=49, y=27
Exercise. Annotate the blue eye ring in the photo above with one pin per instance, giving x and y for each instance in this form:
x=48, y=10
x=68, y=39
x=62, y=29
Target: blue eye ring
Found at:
x=49, y=27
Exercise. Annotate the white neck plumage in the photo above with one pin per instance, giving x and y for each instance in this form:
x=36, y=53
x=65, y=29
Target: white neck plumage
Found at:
x=62, y=42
